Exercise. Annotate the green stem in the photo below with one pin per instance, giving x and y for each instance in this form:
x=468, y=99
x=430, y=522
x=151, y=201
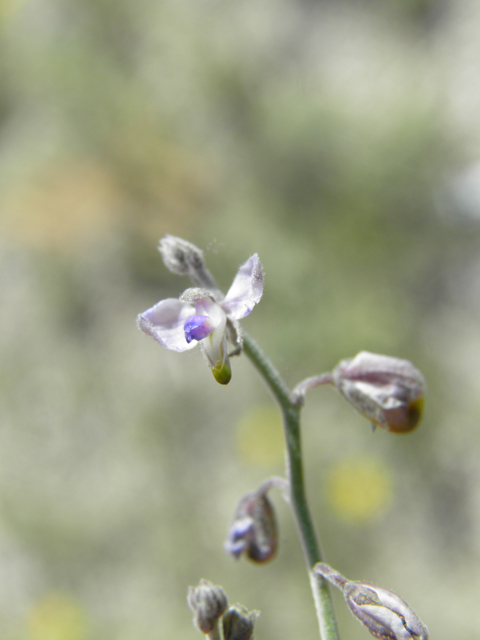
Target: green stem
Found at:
x=301, y=511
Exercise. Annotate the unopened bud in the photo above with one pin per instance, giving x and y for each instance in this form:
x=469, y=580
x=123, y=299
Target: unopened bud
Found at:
x=253, y=531
x=238, y=623
x=385, y=614
x=208, y=603
x=184, y=258
x=387, y=391
x=179, y=255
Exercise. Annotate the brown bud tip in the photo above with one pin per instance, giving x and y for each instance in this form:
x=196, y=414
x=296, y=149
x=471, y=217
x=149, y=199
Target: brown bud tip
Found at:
x=208, y=603
x=238, y=623
x=387, y=391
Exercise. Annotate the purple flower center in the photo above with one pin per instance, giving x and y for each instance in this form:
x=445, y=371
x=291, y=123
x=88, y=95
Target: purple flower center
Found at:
x=197, y=328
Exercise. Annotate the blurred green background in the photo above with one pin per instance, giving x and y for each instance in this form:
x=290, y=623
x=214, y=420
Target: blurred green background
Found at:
x=339, y=140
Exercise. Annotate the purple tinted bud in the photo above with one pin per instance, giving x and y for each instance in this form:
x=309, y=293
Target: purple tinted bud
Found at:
x=208, y=603
x=253, y=531
x=387, y=391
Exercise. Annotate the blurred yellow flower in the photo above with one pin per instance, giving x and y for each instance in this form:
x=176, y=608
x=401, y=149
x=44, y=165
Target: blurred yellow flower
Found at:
x=260, y=436
x=56, y=617
x=359, y=489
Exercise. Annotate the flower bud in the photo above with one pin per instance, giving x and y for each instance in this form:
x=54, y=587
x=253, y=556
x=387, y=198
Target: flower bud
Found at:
x=238, y=623
x=179, y=255
x=385, y=614
x=185, y=259
x=253, y=531
x=387, y=391
x=208, y=603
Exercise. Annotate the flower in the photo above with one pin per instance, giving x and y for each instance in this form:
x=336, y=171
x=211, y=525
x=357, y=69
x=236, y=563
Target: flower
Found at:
x=199, y=317
x=388, y=391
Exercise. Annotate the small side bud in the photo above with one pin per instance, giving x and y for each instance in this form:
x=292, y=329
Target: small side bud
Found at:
x=385, y=614
x=208, y=603
x=238, y=623
x=253, y=531
x=387, y=391
x=179, y=255
x=185, y=259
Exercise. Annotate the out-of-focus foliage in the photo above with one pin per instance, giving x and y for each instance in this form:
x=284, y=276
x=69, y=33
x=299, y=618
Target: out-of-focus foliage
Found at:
x=340, y=141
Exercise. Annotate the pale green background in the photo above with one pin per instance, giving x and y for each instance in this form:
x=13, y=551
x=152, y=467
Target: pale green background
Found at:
x=340, y=141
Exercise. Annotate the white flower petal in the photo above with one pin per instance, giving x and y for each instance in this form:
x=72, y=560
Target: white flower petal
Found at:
x=246, y=290
x=165, y=323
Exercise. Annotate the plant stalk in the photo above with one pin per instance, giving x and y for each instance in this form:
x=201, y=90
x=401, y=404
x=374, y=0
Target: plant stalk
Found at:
x=301, y=512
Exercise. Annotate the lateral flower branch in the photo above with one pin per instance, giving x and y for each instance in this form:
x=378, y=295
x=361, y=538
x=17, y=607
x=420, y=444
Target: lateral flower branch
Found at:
x=385, y=614
x=388, y=391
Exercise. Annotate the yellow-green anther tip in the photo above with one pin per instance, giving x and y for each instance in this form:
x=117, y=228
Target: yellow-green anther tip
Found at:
x=222, y=373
